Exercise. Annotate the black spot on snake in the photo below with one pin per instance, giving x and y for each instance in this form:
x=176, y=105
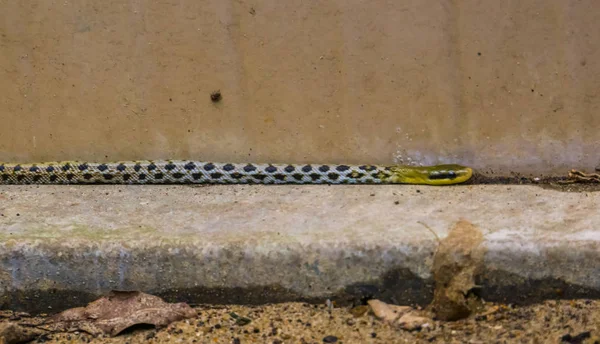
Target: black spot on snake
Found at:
x=159, y=176
x=209, y=166
x=83, y=167
x=50, y=169
x=342, y=168
x=289, y=169
x=307, y=168
x=1, y=168
x=102, y=167
x=333, y=176
x=260, y=176
x=5, y=177
x=107, y=176
x=228, y=167
x=271, y=169
x=279, y=176
x=216, y=175
x=87, y=176
x=17, y=168
x=298, y=176
x=142, y=176
x=66, y=167
x=324, y=168
x=121, y=167
x=151, y=167
x=34, y=169
x=189, y=166
x=70, y=176
x=249, y=168
x=37, y=178
x=126, y=176
x=53, y=178
x=137, y=167
x=170, y=167
x=177, y=175
x=197, y=176
x=236, y=175
x=20, y=178
x=315, y=176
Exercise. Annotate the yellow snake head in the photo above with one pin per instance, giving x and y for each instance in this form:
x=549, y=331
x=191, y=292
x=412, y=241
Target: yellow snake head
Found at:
x=430, y=175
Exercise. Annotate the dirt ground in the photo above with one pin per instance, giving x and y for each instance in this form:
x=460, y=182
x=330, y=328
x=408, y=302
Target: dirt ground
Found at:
x=565, y=321
x=558, y=183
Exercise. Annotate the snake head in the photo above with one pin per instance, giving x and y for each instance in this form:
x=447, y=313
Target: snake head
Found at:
x=430, y=175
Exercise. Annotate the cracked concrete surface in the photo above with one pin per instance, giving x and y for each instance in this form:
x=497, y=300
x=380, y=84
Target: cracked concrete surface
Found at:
x=64, y=245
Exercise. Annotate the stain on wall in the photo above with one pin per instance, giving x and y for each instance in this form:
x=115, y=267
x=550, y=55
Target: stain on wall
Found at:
x=501, y=86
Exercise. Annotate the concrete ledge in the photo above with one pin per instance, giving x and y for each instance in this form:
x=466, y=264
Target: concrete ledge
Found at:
x=62, y=246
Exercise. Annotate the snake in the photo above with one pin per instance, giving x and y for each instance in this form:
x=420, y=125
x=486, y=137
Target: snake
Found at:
x=204, y=172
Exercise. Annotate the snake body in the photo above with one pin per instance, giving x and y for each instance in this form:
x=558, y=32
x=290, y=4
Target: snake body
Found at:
x=198, y=172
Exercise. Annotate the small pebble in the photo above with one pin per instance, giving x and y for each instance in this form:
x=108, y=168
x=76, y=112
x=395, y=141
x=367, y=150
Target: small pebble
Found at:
x=330, y=339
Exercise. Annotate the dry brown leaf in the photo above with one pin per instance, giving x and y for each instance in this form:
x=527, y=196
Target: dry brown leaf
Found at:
x=456, y=264
x=118, y=311
x=387, y=312
x=413, y=322
x=578, y=176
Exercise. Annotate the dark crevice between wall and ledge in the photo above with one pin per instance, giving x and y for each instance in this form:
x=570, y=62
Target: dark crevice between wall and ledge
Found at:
x=545, y=182
x=398, y=286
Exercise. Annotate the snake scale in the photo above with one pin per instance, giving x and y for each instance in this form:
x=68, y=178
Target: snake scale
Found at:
x=198, y=172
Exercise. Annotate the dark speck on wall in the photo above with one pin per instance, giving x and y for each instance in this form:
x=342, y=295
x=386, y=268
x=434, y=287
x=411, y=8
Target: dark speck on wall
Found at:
x=216, y=96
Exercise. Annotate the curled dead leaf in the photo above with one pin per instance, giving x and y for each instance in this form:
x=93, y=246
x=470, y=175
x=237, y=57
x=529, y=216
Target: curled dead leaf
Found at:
x=119, y=310
x=456, y=265
x=387, y=312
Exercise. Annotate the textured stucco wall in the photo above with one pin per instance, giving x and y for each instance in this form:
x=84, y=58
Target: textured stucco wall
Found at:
x=499, y=85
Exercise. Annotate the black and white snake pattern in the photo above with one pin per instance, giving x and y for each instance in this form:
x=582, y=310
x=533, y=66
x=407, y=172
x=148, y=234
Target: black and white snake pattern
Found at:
x=197, y=172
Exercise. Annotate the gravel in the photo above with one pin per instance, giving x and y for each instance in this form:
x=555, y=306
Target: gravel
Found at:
x=564, y=321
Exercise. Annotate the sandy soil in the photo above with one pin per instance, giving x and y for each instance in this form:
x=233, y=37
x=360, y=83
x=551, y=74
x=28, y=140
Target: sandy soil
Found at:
x=566, y=321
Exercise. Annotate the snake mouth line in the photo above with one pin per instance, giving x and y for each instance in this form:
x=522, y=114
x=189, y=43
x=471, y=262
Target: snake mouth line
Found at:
x=443, y=175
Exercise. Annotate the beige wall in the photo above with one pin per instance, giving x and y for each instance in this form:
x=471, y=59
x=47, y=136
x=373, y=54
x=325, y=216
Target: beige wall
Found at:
x=499, y=85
